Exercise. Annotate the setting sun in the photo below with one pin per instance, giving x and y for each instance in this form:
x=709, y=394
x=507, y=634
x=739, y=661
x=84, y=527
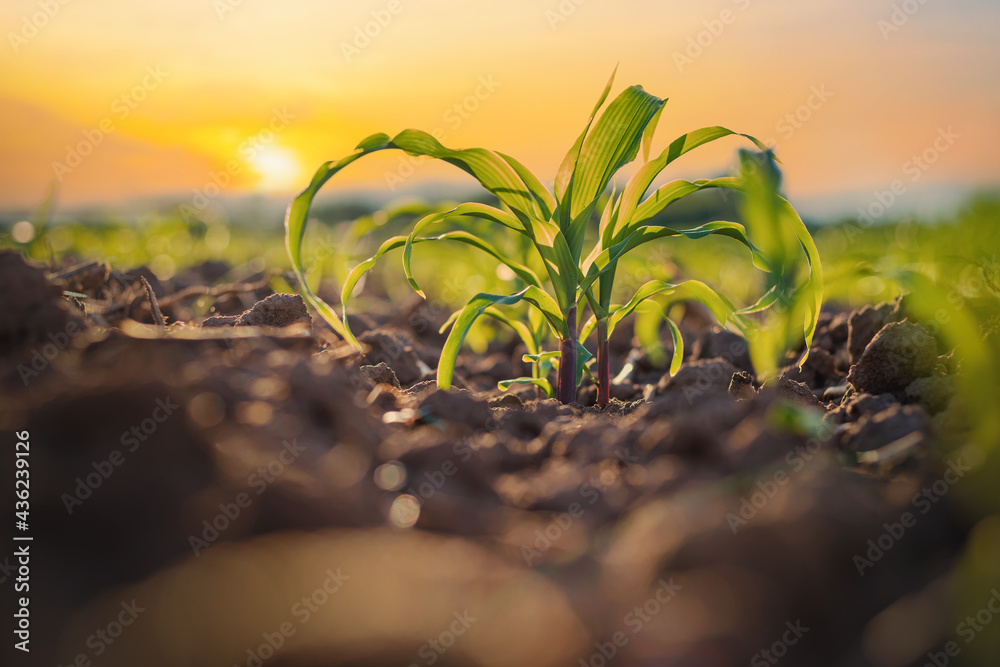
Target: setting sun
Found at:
x=278, y=169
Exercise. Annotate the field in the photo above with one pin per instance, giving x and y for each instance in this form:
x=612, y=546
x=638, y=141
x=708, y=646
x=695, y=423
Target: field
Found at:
x=239, y=485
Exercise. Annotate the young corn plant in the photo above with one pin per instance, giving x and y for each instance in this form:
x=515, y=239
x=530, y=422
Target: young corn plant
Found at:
x=556, y=224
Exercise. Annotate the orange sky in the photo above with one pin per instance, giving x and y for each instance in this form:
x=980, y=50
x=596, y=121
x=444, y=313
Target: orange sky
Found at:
x=165, y=94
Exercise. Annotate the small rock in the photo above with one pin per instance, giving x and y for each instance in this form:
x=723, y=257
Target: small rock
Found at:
x=506, y=401
x=900, y=353
x=277, y=310
x=741, y=386
x=380, y=374
x=798, y=391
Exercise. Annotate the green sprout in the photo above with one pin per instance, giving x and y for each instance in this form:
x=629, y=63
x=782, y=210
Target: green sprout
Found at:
x=556, y=225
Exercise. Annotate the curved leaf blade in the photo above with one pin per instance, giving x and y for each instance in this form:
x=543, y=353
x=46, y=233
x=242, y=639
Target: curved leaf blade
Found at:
x=476, y=306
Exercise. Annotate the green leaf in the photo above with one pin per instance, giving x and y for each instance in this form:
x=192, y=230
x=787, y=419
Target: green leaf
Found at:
x=689, y=289
x=551, y=355
x=542, y=383
x=583, y=358
x=543, y=198
x=520, y=328
x=597, y=265
x=613, y=142
x=568, y=167
x=459, y=236
x=480, y=211
x=476, y=306
x=678, y=354
x=297, y=217
x=666, y=195
x=492, y=171
x=782, y=235
x=643, y=178
x=648, y=316
x=647, y=134
x=768, y=299
x=647, y=331
x=504, y=177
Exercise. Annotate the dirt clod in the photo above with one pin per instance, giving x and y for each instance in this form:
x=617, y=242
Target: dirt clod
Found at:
x=277, y=310
x=797, y=391
x=900, y=353
x=698, y=377
x=741, y=386
x=456, y=405
x=31, y=308
x=380, y=374
x=873, y=432
x=863, y=325
x=221, y=321
x=933, y=393
x=507, y=401
x=396, y=350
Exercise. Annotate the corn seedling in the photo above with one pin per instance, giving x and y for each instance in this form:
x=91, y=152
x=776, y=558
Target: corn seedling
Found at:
x=556, y=224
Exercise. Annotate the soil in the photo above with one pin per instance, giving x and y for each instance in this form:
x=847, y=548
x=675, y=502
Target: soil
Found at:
x=216, y=472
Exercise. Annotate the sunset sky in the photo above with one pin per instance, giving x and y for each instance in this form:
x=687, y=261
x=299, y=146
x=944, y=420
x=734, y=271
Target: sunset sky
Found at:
x=121, y=100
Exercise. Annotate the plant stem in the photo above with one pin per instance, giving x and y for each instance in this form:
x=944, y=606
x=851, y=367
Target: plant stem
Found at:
x=603, y=365
x=567, y=361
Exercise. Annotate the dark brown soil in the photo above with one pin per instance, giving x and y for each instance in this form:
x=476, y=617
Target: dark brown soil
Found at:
x=258, y=458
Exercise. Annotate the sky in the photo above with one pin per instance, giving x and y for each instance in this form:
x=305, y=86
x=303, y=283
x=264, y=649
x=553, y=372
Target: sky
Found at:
x=114, y=101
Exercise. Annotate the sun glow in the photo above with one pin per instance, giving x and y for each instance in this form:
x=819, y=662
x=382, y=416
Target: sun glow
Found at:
x=278, y=168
